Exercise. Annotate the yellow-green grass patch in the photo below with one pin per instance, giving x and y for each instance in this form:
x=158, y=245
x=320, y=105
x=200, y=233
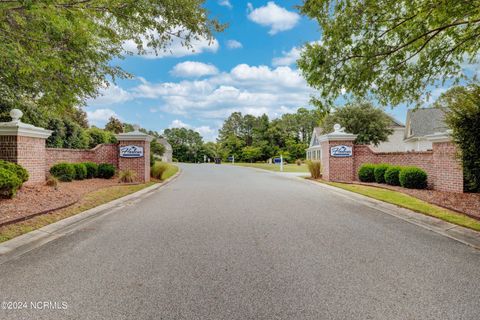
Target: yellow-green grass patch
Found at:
x=409, y=202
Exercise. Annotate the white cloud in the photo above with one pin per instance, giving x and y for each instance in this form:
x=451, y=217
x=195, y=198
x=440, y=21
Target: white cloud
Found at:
x=175, y=48
x=287, y=58
x=100, y=116
x=225, y=3
x=234, y=44
x=208, y=133
x=193, y=69
x=178, y=124
x=273, y=16
x=112, y=94
x=249, y=89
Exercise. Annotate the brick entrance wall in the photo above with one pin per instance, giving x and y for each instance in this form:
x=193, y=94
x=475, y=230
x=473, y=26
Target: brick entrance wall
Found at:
x=139, y=165
x=103, y=153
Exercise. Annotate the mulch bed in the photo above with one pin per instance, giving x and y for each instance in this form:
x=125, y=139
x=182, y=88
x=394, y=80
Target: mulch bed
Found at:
x=468, y=203
x=35, y=199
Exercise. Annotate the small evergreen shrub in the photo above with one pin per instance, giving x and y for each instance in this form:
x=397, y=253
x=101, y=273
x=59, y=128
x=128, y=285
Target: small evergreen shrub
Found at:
x=106, y=170
x=158, y=170
x=127, y=176
x=379, y=172
x=392, y=176
x=80, y=171
x=20, y=171
x=9, y=183
x=315, y=168
x=63, y=171
x=413, y=178
x=92, y=169
x=366, y=173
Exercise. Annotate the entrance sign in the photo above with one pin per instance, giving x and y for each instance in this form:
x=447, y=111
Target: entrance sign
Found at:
x=131, y=152
x=277, y=160
x=341, y=151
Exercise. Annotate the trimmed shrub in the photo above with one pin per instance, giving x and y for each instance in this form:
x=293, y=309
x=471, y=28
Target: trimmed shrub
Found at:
x=366, y=173
x=92, y=169
x=413, y=178
x=391, y=175
x=80, y=171
x=379, y=172
x=20, y=171
x=158, y=170
x=63, y=171
x=127, y=176
x=298, y=162
x=315, y=168
x=9, y=183
x=106, y=170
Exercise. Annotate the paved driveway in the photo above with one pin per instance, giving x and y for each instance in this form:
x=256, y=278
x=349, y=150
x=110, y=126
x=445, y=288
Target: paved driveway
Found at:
x=224, y=242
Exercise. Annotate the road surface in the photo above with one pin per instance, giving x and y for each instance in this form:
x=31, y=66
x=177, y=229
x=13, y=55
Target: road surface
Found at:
x=226, y=242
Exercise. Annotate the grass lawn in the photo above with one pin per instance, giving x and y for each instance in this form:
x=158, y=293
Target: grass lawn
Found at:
x=409, y=202
x=91, y=200
x=276, y=167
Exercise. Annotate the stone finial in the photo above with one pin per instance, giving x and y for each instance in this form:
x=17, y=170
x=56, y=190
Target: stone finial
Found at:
x=338, y=128
x=16, y=115
x=136, y=128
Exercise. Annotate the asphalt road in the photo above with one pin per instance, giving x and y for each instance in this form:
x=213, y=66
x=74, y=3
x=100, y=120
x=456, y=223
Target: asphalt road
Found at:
x=225, y=242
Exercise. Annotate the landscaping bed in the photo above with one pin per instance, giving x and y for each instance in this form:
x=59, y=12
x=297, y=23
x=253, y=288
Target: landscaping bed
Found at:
x=36, y=199
x=468, y=203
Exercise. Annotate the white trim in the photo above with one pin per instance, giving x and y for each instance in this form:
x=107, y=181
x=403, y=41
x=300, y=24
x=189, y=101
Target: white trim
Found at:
x=21, y=129
x=439, y=137
x=134, y=136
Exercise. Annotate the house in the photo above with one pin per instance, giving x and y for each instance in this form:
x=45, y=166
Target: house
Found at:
x=409, y=137
x=168, y=154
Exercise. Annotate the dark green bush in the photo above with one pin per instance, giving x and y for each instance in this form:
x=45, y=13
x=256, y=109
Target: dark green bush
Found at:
x=80, y=171
x=413, y=178
x=20, y=171
x=63, y=171
x=391, y=176
x=92, y=169
x=106, y=170
x=380, y=170
x=9, y=183
x=366, y=173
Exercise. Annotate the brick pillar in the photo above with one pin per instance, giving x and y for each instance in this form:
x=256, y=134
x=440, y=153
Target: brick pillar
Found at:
x=337, y=155
x=134, y=153
x=447, y=169
x=24, y=144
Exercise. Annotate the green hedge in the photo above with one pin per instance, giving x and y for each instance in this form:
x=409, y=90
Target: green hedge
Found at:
x=379, y=172
x=106, y=170
x=92, y=169
x=80, y=171
x=9, y=183
x=413, y=178
x=20, y=171
x=392, y=175
x=63, y=171
x=366, y=173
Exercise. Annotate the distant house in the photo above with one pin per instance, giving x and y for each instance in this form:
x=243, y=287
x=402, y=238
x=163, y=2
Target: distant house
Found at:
x=409, y=137
x=168, y=154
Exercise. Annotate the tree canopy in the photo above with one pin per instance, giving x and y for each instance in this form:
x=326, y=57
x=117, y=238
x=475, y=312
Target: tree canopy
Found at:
x=371, y=124
x=187, y=145
x=390, y=49
x=58, y=53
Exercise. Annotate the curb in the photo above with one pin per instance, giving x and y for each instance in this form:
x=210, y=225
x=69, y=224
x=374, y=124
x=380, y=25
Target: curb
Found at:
x=455, y=232
x=36, y=238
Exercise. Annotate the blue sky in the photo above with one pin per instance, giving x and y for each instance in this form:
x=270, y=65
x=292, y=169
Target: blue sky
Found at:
x=250, y=67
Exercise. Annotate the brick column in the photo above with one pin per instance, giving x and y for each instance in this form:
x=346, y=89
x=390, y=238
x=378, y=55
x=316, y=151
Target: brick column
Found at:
x=337, y=155
x=140, y=164
x=447, y=169
x=24, y=144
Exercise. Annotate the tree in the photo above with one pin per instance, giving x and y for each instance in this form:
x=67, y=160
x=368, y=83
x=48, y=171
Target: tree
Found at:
x=371, y=124
x=186, y=144
x=156, y=148
x=114, y=125
x=56, y=54
x=393, y=49
x=462, y=105
x=251, y=153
